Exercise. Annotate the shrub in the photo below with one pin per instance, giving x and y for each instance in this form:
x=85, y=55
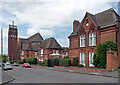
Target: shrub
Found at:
x=99, y=58
x=19, y=61
x=41, y=63
x=50, y=63
x=34, y=61
x=65, y=62
x=75, y=61
x=46, y=62
x=55, y=61
x=66, y=57
x=80, y=65
x=11, y=62
x=24, y=60
x=4, y=58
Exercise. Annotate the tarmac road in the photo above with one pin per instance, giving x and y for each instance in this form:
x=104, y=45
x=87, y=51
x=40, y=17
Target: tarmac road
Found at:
x=45, y=75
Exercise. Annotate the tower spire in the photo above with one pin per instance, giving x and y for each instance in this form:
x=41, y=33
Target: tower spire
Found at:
x=12, y=22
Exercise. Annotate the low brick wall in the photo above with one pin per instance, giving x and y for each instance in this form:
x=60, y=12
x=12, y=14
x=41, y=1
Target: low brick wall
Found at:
x=83, y=68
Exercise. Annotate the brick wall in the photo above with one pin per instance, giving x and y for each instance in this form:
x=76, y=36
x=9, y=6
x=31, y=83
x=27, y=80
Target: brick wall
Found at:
x=112, y=60
x=73, y=42
x=108, y=34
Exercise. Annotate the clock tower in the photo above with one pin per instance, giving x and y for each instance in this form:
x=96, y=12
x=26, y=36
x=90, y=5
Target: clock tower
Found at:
x=12, y=42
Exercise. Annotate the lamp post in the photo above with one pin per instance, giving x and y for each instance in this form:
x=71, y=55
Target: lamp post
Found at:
x=1, y=48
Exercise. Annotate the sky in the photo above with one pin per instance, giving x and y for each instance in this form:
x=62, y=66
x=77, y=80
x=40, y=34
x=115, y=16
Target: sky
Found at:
x=51, y=18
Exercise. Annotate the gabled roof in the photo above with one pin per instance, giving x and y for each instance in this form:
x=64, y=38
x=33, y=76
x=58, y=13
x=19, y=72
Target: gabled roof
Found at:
x=107, y=18
x=35, y=38
x=103, y=19
x=51, y=43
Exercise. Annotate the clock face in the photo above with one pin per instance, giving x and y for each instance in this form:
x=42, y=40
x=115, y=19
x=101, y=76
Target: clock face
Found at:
x=87, y=24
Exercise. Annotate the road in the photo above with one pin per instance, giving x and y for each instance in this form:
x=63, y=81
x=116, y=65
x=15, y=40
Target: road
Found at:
x=45, y=75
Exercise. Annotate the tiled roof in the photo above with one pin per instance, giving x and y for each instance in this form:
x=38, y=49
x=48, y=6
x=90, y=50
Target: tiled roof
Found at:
x=51, y=43
x=35, y=38
x=47, y=43
x=103, y=19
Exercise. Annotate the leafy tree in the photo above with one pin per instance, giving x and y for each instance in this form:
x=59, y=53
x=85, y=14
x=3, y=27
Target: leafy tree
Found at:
x=99, y=58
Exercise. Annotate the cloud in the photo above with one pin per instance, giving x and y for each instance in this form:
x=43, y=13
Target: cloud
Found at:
x=45, y=16
x=43, y=32
x=50, y=14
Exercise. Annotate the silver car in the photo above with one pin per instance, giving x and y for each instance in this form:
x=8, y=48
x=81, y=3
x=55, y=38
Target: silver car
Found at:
x=7, y=66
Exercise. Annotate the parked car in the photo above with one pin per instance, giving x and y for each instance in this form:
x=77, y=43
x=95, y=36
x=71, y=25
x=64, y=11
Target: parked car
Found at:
x=15, y=64
x=26, y=65
x=7, y=66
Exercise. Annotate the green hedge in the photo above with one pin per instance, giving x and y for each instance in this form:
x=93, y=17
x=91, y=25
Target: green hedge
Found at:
x=80, y=65
x=50, y=62
x=75, y=61
x=55, y=61
x=19, y=61
x=66, y=57
x=65, y=62
x=30, y=60
x=46, y=62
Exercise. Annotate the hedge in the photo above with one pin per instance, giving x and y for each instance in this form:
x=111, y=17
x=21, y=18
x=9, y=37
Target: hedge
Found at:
x=30, y=60
x=50, y=63
x=65, y=62
x=46, y=62
x=80, y=65
x=19, y=61
x=66, y=57
x=55, y=61
x=75, y=61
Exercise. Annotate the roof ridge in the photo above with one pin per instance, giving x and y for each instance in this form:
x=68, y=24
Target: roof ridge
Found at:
x=104, y=11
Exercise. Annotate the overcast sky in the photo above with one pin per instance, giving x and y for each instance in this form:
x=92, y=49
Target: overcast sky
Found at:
x=51, y=18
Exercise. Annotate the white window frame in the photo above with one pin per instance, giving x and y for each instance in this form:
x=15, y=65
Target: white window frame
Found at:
x=91, y=54
x=22, y=52
x=35, y=53
x=92, y=39
x=57, y=52
x=41, y=51
x=66, y=53
x=22, y=58
x=82, y=58
x=82, y=41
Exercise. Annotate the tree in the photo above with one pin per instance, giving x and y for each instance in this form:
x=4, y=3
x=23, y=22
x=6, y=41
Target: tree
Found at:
x=99, y=58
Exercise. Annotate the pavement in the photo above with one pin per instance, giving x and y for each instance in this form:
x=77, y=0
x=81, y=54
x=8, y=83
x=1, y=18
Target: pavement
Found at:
x=113, y=74
x=6, y=77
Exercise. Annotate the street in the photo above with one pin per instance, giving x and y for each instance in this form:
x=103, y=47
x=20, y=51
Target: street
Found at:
x=45, y=75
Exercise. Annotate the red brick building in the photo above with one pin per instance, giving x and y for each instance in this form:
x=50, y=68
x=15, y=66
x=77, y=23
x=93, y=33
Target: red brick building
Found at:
x=91, y=31
x=12, y=42
x=36, y=47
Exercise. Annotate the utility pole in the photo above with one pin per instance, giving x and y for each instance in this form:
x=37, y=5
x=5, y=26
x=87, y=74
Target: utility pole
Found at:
x=1, y=48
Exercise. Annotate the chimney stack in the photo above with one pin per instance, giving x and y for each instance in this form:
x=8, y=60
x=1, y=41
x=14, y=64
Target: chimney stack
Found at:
x=75, y=24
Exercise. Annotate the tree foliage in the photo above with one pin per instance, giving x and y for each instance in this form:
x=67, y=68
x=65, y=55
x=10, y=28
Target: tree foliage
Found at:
x=99, y=58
